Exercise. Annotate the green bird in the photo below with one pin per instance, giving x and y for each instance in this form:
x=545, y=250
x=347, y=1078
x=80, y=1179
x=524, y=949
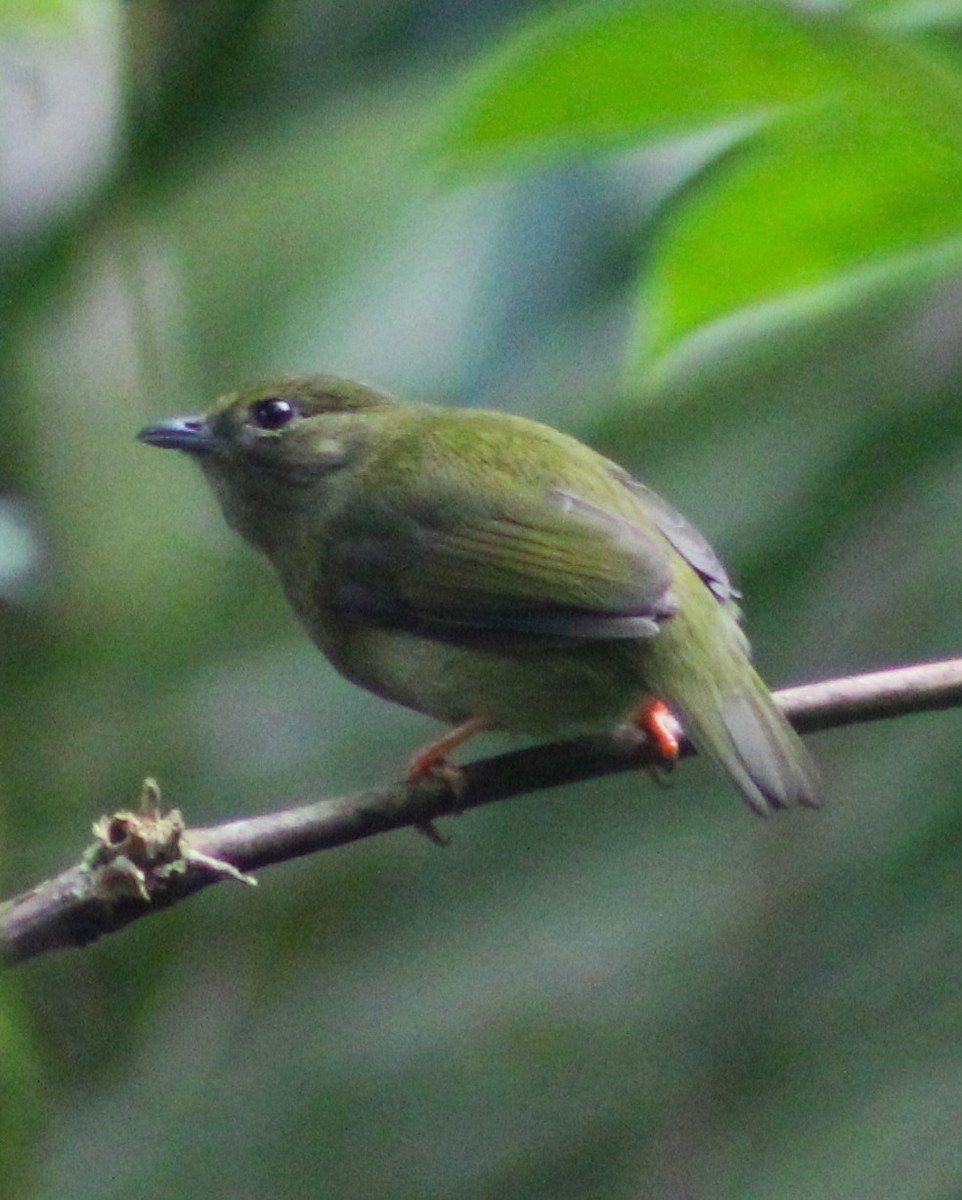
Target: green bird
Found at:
x=492, y=573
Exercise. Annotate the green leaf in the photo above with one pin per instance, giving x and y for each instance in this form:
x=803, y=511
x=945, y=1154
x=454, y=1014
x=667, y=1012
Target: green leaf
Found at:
x=21, y=16
x=848, y=182
x=607, y=74
x=803, y=222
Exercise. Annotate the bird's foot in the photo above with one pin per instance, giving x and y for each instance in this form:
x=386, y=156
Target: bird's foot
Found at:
x=660, y=726
x=430, y=831
x=432, y=760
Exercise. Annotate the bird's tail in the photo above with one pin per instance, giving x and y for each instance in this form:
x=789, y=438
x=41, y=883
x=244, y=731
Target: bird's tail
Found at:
x=734, y=722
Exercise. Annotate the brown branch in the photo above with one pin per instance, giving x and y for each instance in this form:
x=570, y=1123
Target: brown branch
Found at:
x=142, y=862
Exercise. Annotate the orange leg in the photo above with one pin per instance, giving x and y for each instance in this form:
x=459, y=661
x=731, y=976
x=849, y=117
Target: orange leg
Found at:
x=661, y=725
x=432, y=759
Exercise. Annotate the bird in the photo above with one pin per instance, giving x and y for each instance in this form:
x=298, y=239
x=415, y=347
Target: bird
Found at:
x=493, y=573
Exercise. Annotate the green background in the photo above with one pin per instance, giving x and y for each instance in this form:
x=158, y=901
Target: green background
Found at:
x=719, y=241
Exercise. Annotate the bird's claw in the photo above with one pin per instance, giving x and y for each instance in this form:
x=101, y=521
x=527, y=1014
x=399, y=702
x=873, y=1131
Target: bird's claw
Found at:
x=432, y=761
x=661, y=725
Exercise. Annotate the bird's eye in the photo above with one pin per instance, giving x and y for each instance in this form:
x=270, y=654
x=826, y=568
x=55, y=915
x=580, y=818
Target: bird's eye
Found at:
x=273, y=412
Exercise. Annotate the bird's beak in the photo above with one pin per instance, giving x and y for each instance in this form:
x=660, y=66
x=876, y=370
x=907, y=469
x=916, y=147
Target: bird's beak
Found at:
x=191, y=434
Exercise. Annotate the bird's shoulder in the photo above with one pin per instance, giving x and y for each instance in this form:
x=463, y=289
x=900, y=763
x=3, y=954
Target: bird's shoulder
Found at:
x=480, y=460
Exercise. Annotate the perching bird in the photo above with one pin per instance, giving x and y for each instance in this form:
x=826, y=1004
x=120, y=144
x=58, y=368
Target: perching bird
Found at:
x=493, y=573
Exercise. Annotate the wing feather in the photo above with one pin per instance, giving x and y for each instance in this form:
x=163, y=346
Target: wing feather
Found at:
x=511, y=529
x=547, y=569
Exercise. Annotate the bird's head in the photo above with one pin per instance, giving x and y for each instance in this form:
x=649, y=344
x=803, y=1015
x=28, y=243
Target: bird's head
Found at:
x=266, y=448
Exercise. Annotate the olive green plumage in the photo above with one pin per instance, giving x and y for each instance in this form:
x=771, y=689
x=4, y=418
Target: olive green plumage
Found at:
x=477, y=564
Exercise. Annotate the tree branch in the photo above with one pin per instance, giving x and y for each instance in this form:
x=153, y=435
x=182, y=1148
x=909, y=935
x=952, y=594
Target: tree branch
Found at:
x=143, y=862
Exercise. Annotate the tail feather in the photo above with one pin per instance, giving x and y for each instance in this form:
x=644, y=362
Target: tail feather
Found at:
x=699, y=664
x=764, y=755
x=746, y=737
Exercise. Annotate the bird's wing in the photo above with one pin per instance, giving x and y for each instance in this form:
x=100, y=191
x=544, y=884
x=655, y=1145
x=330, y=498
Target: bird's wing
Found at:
x=538, y=562
x=684, y=537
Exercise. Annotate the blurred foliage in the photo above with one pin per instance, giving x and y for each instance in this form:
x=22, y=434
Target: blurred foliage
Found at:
x=611, y=990
x=834, y=175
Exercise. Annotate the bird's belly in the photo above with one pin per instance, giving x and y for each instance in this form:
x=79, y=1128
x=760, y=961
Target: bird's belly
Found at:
x=522, y=687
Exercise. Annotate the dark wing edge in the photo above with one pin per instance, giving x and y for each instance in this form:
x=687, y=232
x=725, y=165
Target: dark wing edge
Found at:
x=692, y=545
x=467, y=584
